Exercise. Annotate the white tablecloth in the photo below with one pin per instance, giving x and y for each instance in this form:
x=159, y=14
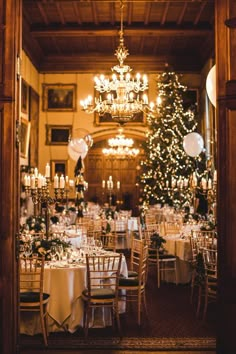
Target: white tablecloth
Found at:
x=182, y=250
x=65, y=308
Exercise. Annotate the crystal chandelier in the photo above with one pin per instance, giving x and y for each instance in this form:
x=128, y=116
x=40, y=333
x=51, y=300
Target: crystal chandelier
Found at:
x=120, y=95
x=120, y=146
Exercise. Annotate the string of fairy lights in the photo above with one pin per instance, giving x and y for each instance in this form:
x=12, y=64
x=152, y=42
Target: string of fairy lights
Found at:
x=167, y=171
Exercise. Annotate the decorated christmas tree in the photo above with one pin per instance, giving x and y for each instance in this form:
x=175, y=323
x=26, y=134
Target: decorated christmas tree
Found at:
x=167, y=169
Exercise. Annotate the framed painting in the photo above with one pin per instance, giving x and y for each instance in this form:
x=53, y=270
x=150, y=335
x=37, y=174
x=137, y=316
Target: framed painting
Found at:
x=34, y=131
x=59, y=167
x=24, y=97
x=106, y=119
x=190, y=99
x=58, y=134
x=24, y=137
x=59, y=97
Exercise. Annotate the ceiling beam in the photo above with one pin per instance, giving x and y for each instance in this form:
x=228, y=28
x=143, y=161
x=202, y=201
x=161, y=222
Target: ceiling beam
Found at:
x=135, y=32
x=101, y=63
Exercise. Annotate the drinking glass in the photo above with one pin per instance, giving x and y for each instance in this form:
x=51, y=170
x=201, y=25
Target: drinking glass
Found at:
x=60, y=251
x=99, y=245
x=53, y=253
x=27, y=249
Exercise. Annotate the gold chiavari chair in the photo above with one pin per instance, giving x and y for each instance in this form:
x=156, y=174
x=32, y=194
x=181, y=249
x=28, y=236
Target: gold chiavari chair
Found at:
x=103, y=274
x=32, y=297
x=164, y=262
x=132, y=289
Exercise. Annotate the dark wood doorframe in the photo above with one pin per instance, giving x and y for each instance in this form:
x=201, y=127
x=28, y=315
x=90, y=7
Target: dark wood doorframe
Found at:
x=226, y=112
x=10, y=29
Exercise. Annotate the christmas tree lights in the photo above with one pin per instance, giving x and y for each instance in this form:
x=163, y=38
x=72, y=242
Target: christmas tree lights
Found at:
x=167, y=169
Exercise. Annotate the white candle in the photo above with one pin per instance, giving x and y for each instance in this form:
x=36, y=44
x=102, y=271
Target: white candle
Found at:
x=56, y=181
x=103, y=184
x=47, y=170
x=215, y=176
x=209, y=183
x=204, y=185
x=25, y=180
x=62, y=182
x=71, y=183
x=118, y=185
x=39, y=181
x=36, y=172
x=32, y=182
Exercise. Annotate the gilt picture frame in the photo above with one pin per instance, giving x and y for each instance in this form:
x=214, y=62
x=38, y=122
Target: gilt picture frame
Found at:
x=58, y=134
x=59, y=97
x=24, y=97
x=24, y=137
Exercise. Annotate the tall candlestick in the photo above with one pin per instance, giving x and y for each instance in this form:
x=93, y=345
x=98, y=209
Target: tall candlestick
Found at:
x=36, y=172
x=47, y=170
x=56, y=181
x=62, y=182
x=32, y=182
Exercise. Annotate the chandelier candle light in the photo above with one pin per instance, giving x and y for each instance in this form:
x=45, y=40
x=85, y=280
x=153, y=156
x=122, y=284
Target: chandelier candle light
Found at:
x=120, y=95
x=120, y=146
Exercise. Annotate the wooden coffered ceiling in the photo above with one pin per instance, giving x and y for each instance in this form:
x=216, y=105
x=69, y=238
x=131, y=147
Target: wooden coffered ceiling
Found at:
x=82, y=36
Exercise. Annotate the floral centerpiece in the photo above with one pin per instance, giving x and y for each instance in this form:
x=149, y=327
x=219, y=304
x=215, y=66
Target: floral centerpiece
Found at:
x=41, y=245
x=157, y=241
x=34, y=224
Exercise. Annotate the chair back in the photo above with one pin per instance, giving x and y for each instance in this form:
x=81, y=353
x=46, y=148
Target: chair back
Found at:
x=139, y=258
x=210, y=262
x=204, y=239
x=31, y=270
x=103, y=272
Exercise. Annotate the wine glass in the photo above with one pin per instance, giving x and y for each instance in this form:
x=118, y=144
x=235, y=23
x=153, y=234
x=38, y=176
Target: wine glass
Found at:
x=98, y=244
x=53, y=253
x=27, y=249
x=60, y=251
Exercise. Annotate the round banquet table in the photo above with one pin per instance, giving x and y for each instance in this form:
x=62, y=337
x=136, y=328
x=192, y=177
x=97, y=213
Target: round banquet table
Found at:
x=65, y=284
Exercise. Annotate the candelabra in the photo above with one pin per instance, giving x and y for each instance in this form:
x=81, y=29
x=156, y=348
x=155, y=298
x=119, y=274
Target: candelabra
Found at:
x=178, y=188
x=207, y=187
x=109, y=185
x=37, y=187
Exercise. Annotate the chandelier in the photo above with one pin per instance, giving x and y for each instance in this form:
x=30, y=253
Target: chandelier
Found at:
x=120, y=95
x=120, y=146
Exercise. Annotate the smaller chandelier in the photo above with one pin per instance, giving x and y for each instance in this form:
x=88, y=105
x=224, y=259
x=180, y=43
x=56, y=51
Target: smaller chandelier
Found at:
x=119, y=96
x=120, y=146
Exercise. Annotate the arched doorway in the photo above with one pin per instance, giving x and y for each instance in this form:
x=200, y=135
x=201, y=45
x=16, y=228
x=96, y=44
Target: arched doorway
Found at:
x=125, y=171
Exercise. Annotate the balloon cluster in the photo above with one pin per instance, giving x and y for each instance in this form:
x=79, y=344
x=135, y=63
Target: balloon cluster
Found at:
x=79, y=145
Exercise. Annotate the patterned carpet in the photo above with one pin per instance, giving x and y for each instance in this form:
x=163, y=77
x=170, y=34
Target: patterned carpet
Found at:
x=171, y=324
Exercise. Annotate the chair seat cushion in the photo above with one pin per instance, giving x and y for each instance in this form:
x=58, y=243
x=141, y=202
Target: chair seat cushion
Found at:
x=100, y=293
x=128, y=282
x=31, y=296
x=132, y=274
x=166, y=256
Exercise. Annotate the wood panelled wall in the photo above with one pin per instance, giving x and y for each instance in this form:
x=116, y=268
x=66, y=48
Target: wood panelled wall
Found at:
x=99, y=167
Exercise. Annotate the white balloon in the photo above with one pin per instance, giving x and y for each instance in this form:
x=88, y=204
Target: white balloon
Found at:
x=211, y=85
x=193, y=144
x=77, y=148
